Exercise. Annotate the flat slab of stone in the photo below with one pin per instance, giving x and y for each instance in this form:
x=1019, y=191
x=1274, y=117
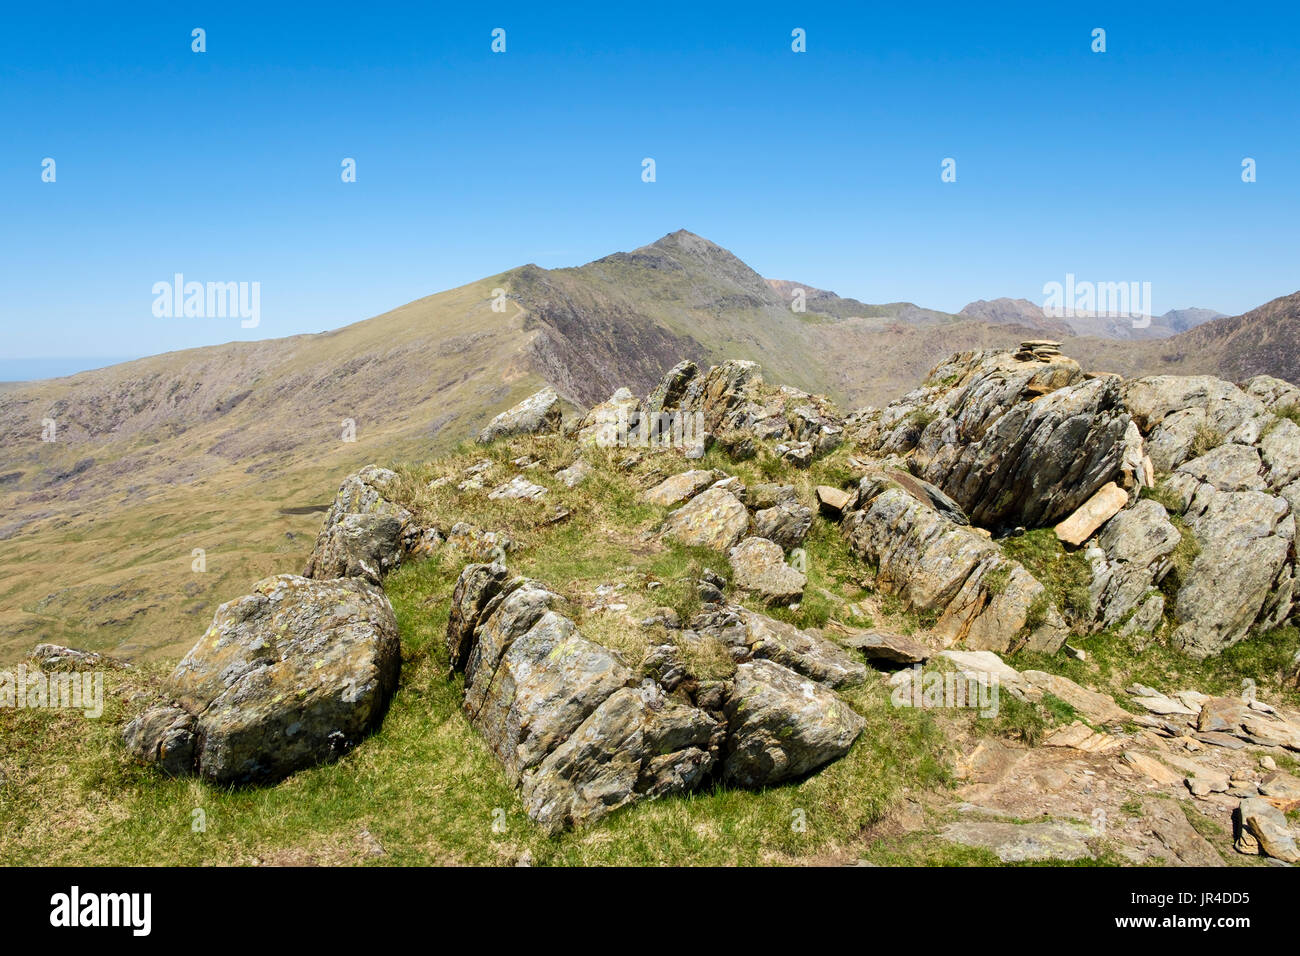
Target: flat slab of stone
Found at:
x=1023, y=842
x=832, y=501
x=882, y=646
x=1107, y=502
x=679, y=488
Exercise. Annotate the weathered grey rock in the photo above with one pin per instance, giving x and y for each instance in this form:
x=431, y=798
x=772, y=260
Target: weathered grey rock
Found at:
x=1022, y=842
x=1130, y=557
x=636, y=745
x=477, y=585
x=758, y=566
x=712, y=519
x=1242, y=576
x=291, y=675
x=1274, y=393
x=364, y=533
x=804, y=652
x=1260, y=827
x=1229, y=467
x=575, y=474
x=1279, y=450
x=782, y=725
x=672, y=393
x=518, y=488
x=1175, y=411
x=56, y=657
x=982, y=597
x=786, y=522
x=1013, y=442
x=679, y=488
x=891, y=648
x=163, y=735
x=532, y=677
x=538, y=413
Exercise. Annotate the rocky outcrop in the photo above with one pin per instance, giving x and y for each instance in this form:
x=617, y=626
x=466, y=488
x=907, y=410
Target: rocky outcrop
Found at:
x=294, y=674
x=1013, y=439
x=365, y=534
x=1129, y=559
x=782, y=725
x=980, y=597
x=539, y=412
x=582, y=733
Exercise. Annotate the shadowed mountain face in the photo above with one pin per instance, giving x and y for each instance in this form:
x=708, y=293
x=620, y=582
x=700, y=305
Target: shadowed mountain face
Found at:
x=174, y=480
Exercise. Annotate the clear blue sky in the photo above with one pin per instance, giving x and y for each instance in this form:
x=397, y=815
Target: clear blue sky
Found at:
x=821, y=167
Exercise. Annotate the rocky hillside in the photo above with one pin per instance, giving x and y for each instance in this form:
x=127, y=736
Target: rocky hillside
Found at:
x=173, y=479
x=1021, y=592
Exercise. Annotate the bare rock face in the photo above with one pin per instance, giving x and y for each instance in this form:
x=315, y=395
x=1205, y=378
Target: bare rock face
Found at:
x=365, y=535
x=1243, y=576
x=294, y=674
x=638, y=744
x=983, y=598
x=782, y=725
x=540, y=412
x=1014, y=440
x=1173, y=410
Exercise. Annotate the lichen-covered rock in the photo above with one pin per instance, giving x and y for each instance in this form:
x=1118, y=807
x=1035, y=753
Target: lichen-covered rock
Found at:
x=758, y=566
x=678, y=488
x=365, y=534
x=782, y=725
x=804, y=652
x=714, y=518
x=785, y=522
x=1031, y=463
x=636, y=744
x=983, y=598
x=1243, y=575
x=1129, y=557
x=1175, y=412
x=477, y=585
x=538, y=413
x=291, y=675
x=163, y=735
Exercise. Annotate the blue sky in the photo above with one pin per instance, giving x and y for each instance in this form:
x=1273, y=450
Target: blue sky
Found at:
x=822, y=167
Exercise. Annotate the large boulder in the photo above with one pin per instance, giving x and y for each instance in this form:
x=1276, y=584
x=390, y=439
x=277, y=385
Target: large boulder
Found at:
x=561, y=711
x=1243, y=576
x=365, y=534
x=637, y=744
x=714, y=518
x=582, y=734
x=294, y=674
x=538, y=413
x=782, y=725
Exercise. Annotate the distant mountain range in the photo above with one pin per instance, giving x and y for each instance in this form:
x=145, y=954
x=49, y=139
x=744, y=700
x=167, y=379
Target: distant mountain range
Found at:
x=217, y=456
x=1024, y=312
